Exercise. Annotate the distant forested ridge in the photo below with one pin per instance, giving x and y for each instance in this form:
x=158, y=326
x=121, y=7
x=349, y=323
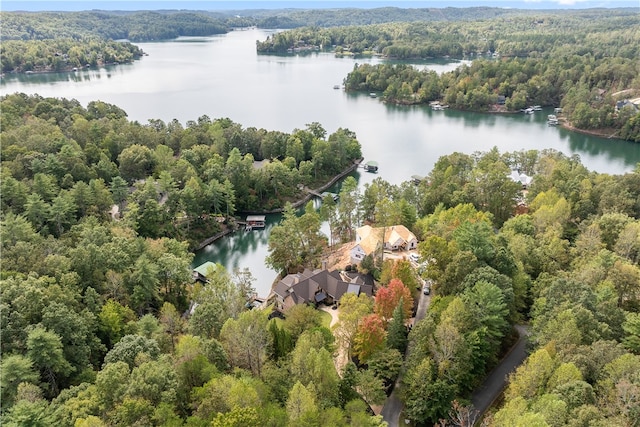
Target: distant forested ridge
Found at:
x=292, y=18
x=136, y=27
x=61, y=41
x=603, y=33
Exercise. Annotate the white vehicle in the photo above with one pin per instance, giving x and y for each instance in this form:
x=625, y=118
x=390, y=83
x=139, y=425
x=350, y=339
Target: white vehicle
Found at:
x=414, y=257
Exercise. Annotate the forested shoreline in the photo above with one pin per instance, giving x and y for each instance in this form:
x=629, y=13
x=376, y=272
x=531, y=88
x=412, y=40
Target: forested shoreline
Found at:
x=584, y=62
x=58, y=55
x=167, y=179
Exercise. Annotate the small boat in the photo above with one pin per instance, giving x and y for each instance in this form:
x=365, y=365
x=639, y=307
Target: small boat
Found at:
x=336, y=86
x=373, y=95
x=537, y=108
x=528, y=110
x=552, y=120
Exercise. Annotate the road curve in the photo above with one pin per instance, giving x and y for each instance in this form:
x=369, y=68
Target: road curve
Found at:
x=483, y=396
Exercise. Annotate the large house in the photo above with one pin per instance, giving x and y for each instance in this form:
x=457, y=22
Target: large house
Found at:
x=369, y=240
x=317, y=286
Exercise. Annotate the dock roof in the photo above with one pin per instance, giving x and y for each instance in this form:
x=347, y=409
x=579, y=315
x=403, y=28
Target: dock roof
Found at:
x=204, y=268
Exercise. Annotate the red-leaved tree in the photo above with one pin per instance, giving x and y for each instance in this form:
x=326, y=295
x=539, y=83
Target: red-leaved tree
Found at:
x=370, y=337
x=388, y=297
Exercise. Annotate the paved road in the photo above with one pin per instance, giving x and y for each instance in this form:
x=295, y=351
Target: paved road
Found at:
x=485, y=394
x=393, y=405
x=490, y=389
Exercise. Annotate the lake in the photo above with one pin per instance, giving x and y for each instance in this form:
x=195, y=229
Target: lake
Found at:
x=223, y=76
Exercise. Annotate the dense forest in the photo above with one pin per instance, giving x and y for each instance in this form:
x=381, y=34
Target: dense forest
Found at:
x=568, y=265
x=602, y=33
x=103, y=324
x=134, y=26
x=63, y=41
x=62, y=162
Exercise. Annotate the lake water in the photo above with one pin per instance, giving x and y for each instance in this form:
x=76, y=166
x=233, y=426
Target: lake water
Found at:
x=223, y=76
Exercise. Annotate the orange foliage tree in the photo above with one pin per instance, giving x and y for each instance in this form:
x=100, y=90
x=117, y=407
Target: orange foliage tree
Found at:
x=388, y=297
x=370, y=337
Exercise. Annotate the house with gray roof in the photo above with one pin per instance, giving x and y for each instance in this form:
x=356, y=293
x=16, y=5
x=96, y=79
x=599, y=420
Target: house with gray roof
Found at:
x=316, y=287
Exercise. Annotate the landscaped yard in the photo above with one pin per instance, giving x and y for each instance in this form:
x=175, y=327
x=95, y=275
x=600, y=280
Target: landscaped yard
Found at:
x=326, y=318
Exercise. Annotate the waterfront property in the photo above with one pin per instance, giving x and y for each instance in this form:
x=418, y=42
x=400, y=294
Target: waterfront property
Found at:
x=369, y=240
x=255, y=221
x=521, y=178
x=319, y=286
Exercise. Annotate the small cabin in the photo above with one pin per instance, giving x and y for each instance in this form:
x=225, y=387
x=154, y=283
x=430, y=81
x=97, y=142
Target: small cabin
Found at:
x=256, y=221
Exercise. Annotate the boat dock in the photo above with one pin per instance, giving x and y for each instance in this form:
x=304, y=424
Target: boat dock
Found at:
x=371, y=166
x=255, y=221
x=322, y=195
x=436, y=106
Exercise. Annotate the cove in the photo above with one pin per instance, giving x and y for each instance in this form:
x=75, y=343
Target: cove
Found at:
x=223, y=76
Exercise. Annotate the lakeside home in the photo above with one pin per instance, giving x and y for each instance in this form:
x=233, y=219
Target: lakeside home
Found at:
x=369, y=240
x=319, y=286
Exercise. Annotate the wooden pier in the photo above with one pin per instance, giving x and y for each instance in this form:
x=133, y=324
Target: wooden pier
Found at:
x=313, y=192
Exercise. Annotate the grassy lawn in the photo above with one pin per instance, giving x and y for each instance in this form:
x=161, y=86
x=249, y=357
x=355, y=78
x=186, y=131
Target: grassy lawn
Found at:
x=325, y=318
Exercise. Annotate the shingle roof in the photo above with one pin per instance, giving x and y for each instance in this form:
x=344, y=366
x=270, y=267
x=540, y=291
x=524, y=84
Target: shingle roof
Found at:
x=304, y=287
x=370, y=237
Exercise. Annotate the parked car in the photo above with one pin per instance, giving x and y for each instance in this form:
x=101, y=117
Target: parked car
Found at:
x=426, y=290
x=414, y=257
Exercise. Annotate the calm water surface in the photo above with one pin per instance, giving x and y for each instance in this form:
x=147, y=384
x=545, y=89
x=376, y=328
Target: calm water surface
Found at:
x=222, y=76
